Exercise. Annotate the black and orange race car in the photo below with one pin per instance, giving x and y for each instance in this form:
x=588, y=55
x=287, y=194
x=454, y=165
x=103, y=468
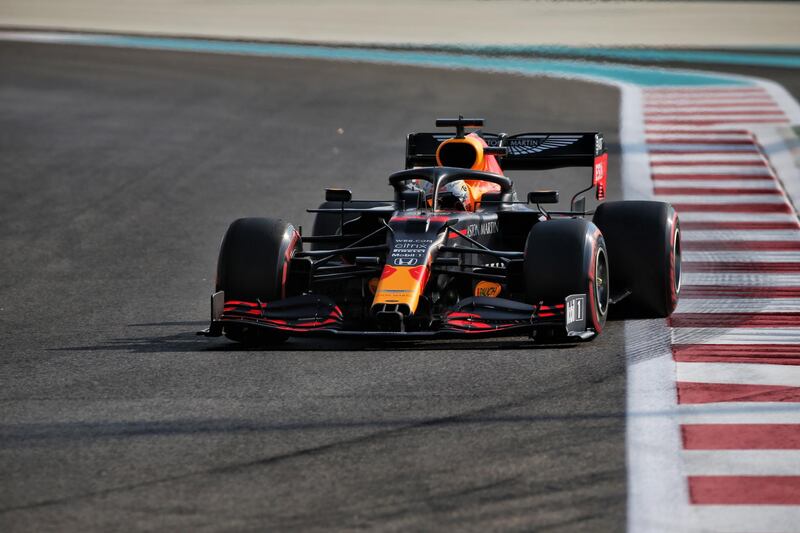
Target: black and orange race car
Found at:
x=455, y=253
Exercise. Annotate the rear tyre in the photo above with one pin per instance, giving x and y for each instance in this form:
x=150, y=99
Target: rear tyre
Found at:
x=644, y=249
x=253, y=265
x=564, y=257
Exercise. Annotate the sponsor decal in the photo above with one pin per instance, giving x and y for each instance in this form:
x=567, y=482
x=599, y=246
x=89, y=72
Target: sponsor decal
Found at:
x=488, y=288
x=409, y=252
x=527, y=141
x=599, y=175
x=576, y=313
x=524, y=145
x=484, y=228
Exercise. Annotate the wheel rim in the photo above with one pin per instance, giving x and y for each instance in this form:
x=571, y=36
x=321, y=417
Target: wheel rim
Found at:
x=676, y=246
x=601, y=293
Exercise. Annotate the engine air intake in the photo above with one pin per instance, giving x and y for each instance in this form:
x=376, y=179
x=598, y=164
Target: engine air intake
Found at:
x=466, y=152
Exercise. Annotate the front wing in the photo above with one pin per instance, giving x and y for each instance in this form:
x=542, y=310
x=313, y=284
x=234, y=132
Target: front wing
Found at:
x=471, y=317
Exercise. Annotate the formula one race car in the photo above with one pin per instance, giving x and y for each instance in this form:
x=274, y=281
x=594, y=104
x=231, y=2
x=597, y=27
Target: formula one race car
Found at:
x=455, y=253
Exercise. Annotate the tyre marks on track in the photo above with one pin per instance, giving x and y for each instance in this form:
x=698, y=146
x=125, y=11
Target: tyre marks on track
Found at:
x=735, y=336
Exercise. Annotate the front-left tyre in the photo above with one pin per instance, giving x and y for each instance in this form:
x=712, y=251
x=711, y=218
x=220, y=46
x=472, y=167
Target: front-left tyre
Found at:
x=564, y=257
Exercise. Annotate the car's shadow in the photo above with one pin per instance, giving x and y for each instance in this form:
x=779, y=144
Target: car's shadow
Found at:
x=189, y=341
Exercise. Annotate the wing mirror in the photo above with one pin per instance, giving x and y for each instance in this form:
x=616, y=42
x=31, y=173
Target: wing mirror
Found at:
x=338, y=195
x=543, y=197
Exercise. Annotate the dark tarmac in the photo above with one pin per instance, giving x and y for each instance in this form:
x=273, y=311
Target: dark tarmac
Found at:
x=119, y=173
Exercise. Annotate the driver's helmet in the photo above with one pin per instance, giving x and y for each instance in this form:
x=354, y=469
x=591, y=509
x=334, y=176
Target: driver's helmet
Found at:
x=454, y=195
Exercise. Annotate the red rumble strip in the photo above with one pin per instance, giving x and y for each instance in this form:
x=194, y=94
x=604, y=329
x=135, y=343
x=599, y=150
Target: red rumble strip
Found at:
x=726, y=291
x=786, y=354
x=705, y=177
x=689, y=393
x=734, y=320
x=767, y=111
x=741, y=436
x=741, y=245
x=739, y=266
x=709, y=190
x=744, y=490
x=736, y=333
x=733, y=208
x=762, y=225
x=709, y=122
x=720, y=162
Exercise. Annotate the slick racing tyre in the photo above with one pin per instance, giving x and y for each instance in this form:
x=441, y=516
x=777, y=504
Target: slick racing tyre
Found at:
x=253, y=265
x=644, y=249
x=564, y=257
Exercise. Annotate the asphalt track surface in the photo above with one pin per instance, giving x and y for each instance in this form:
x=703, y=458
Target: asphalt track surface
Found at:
x=119, y=173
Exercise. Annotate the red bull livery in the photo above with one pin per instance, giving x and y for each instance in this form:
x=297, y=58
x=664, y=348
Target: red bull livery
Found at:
x=455, y=252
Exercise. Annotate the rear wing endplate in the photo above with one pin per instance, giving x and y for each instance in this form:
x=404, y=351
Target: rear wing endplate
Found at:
x=526, y=151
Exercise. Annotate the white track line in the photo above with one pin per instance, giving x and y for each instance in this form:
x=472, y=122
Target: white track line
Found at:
x=700, y=94
x=745, y=256
x=737, y=279
x=740, y=235
x=782, y=97
x=742, y=519
x=733, y=373
x=656, y=483
x=738, y=305
x=742, y=462
x=740, y=413
x=735, y=336
x=657, y=488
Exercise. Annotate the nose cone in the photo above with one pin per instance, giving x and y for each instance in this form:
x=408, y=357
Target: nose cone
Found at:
x=401, y=286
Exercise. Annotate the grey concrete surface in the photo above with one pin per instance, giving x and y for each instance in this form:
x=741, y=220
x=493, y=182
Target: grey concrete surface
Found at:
x=582, y=23
x=119, y=172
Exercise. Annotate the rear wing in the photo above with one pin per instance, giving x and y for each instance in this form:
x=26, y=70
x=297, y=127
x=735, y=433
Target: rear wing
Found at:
x=526, y=151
